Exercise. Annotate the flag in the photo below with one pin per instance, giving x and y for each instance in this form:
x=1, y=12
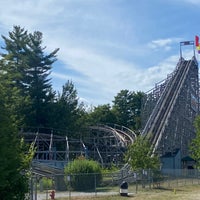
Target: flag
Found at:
x=197, y=44
x=187, y=43
x=196, y=41
x=198, y=48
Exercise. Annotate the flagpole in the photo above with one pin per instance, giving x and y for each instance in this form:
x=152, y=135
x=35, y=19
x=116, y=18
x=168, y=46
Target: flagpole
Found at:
x=180, y=51
x=194, y=51
x=185, y=43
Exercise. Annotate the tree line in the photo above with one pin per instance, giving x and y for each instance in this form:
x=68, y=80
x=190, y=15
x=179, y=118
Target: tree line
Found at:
x=25, y=70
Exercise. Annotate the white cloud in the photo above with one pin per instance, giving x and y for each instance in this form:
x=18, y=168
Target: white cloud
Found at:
x=195, y=2
x=106, y=76
x=164, y=44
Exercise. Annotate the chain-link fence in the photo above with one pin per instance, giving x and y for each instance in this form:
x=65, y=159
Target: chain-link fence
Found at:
x=109, y=183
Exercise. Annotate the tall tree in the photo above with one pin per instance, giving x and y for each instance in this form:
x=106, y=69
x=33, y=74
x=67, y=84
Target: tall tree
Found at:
x=66, y=109
x=26, y=64
x=102, y=114
x=13, y=67
x=14, y=161
x=127, y=108
x=37, y=74
x=14, y=56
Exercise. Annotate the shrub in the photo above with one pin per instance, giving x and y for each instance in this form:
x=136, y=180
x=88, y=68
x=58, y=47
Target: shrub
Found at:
x=47, y=183
x=84, y=174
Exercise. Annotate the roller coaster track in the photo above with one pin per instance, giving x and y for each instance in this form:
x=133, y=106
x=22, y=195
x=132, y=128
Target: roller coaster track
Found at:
x=122, y=134
x=156, y=123
x=41, y=169
x=53, y=152
x=109, y=142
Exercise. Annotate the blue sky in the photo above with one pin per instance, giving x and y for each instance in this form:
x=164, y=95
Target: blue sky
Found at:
x=108, y=45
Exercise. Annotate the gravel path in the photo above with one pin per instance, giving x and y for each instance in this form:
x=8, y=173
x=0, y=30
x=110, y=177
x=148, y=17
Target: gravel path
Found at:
x=45, y=196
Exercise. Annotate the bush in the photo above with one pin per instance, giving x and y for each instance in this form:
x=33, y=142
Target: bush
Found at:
x=47, y=183
x=84, y=174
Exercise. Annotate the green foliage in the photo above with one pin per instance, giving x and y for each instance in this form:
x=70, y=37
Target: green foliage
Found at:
x=66, y=109
x=14, y=161
x=27, y=99
x=195, y=144
x=27, y=68
x=47, y=183
x=102, y=114
x=39, y=67
x=139, y=155
x=84, y=174
x=127, y=109
x=110, y=169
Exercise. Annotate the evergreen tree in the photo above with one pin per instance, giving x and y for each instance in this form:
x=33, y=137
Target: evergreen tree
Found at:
x=28, y=67
x=37, y=75
x=14, y=56
x=66, y=109
x=14, y=161
x=12, y=68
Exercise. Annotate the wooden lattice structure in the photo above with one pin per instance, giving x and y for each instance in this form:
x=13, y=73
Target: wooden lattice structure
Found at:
x=102, y=143
x=170, y=108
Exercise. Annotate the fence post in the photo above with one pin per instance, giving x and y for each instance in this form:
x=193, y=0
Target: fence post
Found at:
x=41, y=185
x=47, y=194
x=69, y=180
x=168, y=181
x=31, y=187
x=150, y=178
x=95, y=184
x=136, y=186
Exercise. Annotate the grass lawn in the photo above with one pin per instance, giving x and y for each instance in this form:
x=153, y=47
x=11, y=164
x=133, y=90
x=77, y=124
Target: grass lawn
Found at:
x=180, y=193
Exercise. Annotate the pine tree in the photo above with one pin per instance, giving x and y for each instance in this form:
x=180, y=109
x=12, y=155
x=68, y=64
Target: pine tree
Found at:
x=66, y=108
x=13, y=67
x=28, y=67
x=40, y=88
x=14, y=161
